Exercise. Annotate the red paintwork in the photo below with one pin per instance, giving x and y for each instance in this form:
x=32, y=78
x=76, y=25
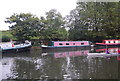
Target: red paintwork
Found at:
x=108, y=44
x=12, y=45
x=110, y=49
x=118, y=58
x=104, y=42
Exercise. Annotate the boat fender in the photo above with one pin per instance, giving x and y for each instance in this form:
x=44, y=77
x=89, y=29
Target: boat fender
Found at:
x=118, y=51
x=12, y=45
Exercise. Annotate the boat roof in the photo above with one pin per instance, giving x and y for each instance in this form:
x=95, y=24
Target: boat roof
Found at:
x=112, y=40
x=69, y=41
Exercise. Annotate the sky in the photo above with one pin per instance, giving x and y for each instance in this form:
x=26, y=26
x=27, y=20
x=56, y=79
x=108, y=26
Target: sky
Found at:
x=36, y=7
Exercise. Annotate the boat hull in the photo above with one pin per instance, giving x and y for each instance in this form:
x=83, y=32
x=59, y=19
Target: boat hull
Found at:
x=58, y=47
x=100, y=44
x=47, y=50
x=17, y=49
x=12, y=47
x=27, y=48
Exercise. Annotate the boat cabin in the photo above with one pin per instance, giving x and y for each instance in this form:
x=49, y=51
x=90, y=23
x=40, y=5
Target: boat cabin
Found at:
x=111, y=41
x=69, y=43
x=6, y=45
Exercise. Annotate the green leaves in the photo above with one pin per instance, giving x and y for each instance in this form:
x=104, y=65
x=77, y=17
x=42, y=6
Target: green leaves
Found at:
x=26, y=26
x=53, y=26
x=94, y=20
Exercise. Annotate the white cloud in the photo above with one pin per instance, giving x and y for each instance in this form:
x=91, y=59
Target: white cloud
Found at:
x=36, y=7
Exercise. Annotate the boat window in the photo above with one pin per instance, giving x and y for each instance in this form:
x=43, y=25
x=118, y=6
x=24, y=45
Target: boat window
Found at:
x=108, y=41
x=60, y=44
x=73, y=43
x=67, y=43
x=82, y=52
x=82, y=43
x=114, y=41
x=16, y=43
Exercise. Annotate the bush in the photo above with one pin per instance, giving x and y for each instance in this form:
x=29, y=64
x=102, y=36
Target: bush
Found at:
x=5, y=39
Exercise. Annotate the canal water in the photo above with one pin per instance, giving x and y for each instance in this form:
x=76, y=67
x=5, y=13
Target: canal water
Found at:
x=72, y=63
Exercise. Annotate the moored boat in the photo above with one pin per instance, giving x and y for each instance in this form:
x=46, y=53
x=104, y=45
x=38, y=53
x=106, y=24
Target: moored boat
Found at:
x=11, y=46
x=62, y=44
x=109, y=43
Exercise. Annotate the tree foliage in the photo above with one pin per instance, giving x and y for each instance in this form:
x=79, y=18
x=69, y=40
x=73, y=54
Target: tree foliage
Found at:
x=94, y=21
x=54, y=28
x=24, y=26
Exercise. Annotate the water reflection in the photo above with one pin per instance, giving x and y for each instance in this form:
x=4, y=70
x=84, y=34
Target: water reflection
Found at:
x=69, y=69
x=70, y=53
x=111, y=50
x=69, y=64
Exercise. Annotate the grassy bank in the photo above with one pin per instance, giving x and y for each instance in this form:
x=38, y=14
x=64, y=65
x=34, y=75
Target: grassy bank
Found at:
x=7, y=33
x=34, y=40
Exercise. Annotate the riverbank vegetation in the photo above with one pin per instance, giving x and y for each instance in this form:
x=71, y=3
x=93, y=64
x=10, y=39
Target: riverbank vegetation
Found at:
x=93, y=21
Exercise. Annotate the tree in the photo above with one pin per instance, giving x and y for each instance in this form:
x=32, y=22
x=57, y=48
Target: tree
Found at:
x=92, y=20
x=54, y=26
x=77, y=29
x=111, y=20
x=24, y=25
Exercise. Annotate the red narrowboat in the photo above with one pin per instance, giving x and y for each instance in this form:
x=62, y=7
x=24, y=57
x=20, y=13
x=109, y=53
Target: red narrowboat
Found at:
x=109, y=43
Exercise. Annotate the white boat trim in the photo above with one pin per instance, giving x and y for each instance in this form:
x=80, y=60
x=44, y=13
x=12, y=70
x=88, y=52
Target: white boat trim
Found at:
x=102, y=54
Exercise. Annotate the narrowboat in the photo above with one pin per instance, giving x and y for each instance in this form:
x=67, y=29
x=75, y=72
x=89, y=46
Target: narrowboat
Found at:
x=12, y=46
x=109, y=43
x=62, y=44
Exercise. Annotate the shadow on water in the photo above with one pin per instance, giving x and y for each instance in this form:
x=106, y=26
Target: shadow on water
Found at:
x=58, y=64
